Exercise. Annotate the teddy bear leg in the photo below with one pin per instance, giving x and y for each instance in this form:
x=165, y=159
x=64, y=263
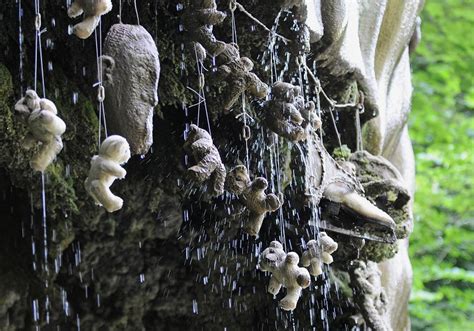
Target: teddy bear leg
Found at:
x=106, y=198
x=291, y=299
x=46, y=154
x=84, y=29
x=274, y=286
x=75, y=10
x=315, y=268
x=327, y=258
x=254, y=223
x=203, y=170
x=217, y=181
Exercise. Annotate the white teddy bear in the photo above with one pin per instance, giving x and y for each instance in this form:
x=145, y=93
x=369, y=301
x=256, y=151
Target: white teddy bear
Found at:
x=105, y=168
x=318, y=252
x=93, y=10
x=285, y=272
x=44, y=127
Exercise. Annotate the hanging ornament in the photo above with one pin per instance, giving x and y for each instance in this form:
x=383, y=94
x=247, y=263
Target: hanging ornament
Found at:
x=105, y=168
x=44, y=128
x=131, y=71
x=92, y=10
x=285, y=272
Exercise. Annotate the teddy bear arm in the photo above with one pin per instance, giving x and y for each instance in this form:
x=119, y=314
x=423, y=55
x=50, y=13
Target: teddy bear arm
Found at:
x=272, y=202
x=255, y=86
x=74, y=10
x=327, y=258
x=84, y=29
x=291, y=299
x=274, y=285
x=21, y=108
x=236, y=88
x=113, y=169
x=51, y=123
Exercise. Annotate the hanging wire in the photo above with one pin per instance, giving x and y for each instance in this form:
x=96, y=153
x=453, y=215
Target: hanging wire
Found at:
x=136, y=11
x=99, y=83
x=20, y=43
x=120, y=12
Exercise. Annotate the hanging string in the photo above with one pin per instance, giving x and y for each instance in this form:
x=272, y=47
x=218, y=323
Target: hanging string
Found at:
x=119, y=16
x=359, y=110
x=136, y=11
x=99, y=83
x=20, y=43
x=246, y=133
x=232, y=6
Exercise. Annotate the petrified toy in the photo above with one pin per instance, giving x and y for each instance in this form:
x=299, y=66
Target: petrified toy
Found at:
x=131, y=71
x=199, y=20
x=92, y=10
x=369, y=294
x=239, y=79
x=44, y=127
x=327, y=179
x=319, y=252
x=208, y=161
x=105, y=168
x=253, y=197
x=285, y=272
x=287, y=114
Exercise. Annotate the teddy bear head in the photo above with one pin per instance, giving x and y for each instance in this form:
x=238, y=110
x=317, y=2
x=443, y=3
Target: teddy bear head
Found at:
x=115, y=148
x=285, y=91
x=195, y=133
x=237, y=180
x=272, y=256
x=328, y=244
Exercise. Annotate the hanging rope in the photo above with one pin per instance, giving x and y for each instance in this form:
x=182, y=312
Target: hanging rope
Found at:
x=99, y=83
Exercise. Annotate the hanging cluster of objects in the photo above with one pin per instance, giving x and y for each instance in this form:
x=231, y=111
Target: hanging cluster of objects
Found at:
x=128, y=76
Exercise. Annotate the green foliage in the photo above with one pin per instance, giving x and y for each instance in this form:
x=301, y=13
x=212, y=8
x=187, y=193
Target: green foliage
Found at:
x=442, y=130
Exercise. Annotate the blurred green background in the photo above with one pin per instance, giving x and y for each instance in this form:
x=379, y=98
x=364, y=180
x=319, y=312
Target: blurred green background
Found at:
x=442, y=131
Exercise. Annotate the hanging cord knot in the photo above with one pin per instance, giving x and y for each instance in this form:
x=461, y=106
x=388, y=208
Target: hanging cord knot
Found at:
x=360, y=104
x=246, y=133
x=38, y=22
x=232, y=5
x=101, y=93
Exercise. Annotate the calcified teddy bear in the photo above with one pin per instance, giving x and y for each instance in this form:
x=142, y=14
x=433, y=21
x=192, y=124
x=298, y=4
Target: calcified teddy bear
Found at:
x=285, y=272
x=319, y=252
x=92, y=10
x=253, y=197
x=44, y=128
x=208, y=161
x=105, y=168
x=287, y=114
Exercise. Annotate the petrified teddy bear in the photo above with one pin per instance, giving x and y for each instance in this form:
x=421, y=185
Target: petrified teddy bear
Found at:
x=208, y=161
x=105, y=168
x=287, y=114
x=44, y=127
x=318, y=252
x=92, y=10
x=253, y=197
x=285, y=272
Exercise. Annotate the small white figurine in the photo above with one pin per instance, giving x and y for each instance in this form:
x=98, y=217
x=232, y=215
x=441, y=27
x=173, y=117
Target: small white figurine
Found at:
x=105, y=168
x=318, y=252
x=44, y=127
x=92, y=10
x=285, y=272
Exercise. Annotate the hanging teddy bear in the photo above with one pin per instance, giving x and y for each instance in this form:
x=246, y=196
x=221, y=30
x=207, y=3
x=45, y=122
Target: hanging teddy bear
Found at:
x=319, y=252
x=285, y=272
x=44, y=127
x=287, y=114
x=105, y=168
x=253, y=197
x=92, y=10
x=209, y=166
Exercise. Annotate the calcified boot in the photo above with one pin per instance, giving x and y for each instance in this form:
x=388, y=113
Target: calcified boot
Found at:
x=331, y=181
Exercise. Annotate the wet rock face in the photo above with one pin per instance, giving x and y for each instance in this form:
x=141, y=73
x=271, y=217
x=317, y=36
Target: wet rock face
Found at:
x=131, y=71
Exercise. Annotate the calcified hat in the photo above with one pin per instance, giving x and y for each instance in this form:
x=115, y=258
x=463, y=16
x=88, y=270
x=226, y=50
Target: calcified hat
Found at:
x=131, y=71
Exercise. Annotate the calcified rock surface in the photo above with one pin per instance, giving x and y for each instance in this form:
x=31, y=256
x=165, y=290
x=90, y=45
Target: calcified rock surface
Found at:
x=131, y=73
x=171, y=258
